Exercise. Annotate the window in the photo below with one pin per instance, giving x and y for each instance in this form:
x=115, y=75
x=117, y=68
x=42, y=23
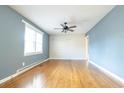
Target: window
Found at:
x=33, y=40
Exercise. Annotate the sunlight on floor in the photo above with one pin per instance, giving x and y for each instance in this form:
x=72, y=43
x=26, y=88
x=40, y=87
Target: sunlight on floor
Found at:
x=37, y=82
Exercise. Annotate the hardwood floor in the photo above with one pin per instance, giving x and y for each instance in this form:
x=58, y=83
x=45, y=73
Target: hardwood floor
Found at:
x=62, y=74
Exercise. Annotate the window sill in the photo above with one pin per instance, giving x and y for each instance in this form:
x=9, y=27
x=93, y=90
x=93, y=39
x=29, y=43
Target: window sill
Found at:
x=31, y=54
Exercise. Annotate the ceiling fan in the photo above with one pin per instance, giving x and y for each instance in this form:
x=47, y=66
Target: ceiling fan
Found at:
x=66, y=28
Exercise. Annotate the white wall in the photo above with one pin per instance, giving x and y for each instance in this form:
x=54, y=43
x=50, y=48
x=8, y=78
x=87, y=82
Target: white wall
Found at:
x=67, y=46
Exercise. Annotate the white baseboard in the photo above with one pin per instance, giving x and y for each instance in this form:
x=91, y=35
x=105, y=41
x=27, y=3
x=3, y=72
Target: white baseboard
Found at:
x=108, y=73
x=68, y=58
x=20, y=71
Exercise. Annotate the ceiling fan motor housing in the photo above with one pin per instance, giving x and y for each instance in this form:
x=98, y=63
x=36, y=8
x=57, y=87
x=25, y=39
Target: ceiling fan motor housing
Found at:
x=66, y=27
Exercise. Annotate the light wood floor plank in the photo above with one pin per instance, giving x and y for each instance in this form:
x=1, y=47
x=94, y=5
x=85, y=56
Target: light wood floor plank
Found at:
x=62, y=74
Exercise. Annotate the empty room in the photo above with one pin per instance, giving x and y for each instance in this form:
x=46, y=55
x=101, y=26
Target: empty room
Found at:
x=61, y=46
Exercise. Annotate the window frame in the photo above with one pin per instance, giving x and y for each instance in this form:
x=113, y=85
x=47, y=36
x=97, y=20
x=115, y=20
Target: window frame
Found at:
x=36, y=31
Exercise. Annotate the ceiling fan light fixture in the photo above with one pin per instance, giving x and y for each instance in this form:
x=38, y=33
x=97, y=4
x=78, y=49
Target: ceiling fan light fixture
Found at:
x=65, y=28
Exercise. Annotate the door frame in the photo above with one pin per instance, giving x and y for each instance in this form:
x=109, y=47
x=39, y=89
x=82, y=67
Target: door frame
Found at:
x=87, y=46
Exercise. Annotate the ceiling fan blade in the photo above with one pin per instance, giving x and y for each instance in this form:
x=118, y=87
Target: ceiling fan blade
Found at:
x=62, y=25
x=71, y=30
x=58, y=28
x=72, y=26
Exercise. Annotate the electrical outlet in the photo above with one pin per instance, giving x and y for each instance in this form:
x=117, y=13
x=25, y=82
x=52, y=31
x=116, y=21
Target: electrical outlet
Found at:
x=23, y=63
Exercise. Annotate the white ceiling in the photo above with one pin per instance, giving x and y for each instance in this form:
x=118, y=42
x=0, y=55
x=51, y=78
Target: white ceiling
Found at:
x=49, y=17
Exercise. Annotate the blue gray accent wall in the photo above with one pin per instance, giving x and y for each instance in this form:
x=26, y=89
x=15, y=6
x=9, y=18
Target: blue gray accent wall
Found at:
x=12, y=43
x=106, y=42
